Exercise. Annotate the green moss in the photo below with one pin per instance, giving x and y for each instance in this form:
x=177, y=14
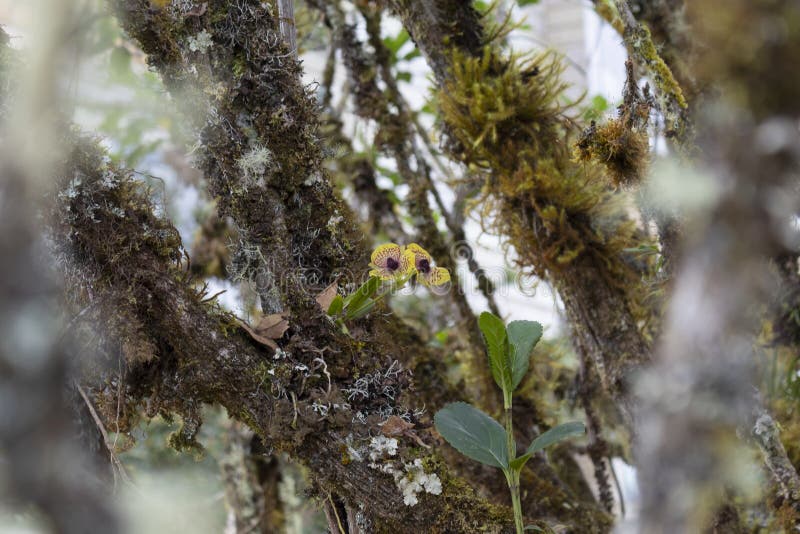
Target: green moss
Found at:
x=239, y=67
x=642, y=43
x=504, y=113
x=622, y=150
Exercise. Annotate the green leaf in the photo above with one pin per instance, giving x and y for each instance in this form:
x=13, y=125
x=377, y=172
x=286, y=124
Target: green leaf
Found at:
x=527, y=2
x=361, y=311
x=555, y=434
x=522, y=336
x=394, y=44
x=415, y=53
x=533, y=527
x=473, y=433
x=496, y=339
x=336, y=305
x=357, y=299
x=518, y=463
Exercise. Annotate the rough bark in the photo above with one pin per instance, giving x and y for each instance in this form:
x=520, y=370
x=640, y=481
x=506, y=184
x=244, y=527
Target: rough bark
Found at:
x=251, y=480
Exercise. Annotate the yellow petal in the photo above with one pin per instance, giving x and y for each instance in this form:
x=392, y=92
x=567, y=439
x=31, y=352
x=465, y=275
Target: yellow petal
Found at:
x=419, y=251
x=384, y=252
x=436, y=277
x=406, y=263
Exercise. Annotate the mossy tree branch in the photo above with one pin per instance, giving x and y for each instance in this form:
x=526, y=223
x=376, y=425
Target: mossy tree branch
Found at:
x=561, y=218
x=396, y=137
x=196, y=353
x=251, y=91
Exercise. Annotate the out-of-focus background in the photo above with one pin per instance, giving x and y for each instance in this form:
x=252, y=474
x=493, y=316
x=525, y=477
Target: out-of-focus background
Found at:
x=115, y=95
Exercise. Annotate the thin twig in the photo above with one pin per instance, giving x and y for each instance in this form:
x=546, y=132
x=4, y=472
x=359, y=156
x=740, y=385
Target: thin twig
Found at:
x=117, y=463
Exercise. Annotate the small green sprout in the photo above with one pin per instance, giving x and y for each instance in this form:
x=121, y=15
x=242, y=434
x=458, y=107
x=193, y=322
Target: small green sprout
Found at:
x=476, y=435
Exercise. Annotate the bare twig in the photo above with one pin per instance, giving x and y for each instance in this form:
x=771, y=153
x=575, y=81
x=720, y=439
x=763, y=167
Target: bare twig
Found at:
x=106, y=440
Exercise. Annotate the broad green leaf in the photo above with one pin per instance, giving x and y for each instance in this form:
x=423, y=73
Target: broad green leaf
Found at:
x=360, y=296
x=336, y=305
x=522, y=337
x=496, y=338
x=473, y=433
x=555, y=434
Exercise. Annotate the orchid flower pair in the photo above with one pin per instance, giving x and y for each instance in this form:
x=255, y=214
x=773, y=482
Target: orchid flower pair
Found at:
x=398, y=264
x=390, y=263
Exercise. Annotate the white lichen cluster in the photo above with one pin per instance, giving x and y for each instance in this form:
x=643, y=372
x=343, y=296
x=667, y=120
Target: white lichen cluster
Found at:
x=415, y=481
x=334, y=221
x=201, y=42
x=381, y=446
x=323, y=409
x=313, y=178
x=255, y=164
x=411, y=479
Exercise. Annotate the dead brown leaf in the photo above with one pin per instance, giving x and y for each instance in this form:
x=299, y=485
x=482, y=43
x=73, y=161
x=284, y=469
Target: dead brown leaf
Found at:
x=395, y=426
x=327, y=295
x=261, y=339
x=273, y=326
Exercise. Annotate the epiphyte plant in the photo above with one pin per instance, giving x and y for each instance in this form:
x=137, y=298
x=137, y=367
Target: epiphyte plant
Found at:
x=478, y=436
x=393, y=266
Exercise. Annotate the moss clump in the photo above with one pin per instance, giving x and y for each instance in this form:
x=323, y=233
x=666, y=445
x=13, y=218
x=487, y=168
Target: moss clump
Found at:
x=621, y=144
x=505, y=122
x=623, y=151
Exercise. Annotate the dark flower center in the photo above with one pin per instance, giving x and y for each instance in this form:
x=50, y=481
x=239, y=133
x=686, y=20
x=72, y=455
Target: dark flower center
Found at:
x=424, y=266
x=392, y=264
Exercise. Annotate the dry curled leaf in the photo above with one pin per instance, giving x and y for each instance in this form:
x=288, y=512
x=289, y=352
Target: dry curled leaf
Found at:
x=395, y=426
x=327, y=295
x=273, y=326
x=261, y=339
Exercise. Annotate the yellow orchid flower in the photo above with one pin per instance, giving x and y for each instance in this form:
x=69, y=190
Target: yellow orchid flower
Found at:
x=427, y=273
x=391, y=262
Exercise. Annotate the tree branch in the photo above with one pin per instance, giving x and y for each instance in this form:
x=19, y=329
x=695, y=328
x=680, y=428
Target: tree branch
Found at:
x=537, y=195
x=121, y=257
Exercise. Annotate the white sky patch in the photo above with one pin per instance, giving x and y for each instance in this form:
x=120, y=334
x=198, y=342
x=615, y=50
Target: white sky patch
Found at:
x=231, y=300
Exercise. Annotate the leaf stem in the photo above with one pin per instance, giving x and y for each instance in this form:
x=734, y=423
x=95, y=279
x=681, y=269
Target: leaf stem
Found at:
x=513, y=485
x=512, y=475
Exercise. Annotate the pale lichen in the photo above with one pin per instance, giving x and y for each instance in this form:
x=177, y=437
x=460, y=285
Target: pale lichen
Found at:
x=256, y=164
x=380, y=446
x=201, y=42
